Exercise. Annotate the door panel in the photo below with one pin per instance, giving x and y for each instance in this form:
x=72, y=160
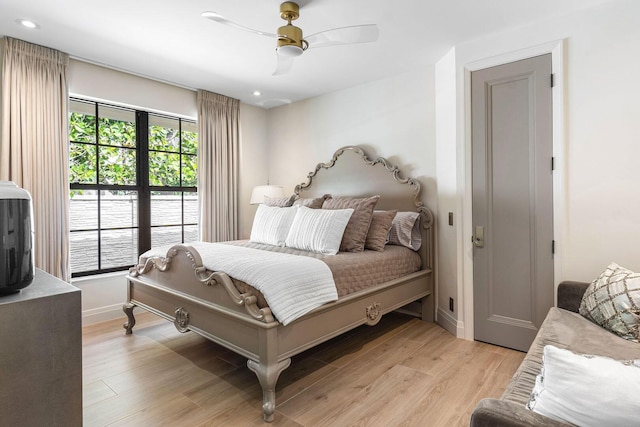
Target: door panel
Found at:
x=512, y=200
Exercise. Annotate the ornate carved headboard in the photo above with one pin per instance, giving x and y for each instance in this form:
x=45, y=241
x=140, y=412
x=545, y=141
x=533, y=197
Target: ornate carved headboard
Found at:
x=351, y=172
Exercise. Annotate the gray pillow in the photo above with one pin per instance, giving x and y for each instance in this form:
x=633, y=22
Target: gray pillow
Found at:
x=379, y=230
x=355, y=235
x=280, y=202
x=315, y=203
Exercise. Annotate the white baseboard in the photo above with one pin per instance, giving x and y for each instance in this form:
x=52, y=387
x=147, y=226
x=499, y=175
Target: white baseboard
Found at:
x=450, y=323
x=101, y=314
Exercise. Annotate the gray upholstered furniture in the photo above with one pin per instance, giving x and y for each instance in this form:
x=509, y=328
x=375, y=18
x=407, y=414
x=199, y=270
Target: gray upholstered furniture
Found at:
x=563, y=328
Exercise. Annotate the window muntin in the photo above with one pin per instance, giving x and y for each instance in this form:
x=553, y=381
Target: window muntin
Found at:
x=111, y=207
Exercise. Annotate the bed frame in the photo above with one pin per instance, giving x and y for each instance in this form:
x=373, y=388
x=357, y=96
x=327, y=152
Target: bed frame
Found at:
x=181, y=290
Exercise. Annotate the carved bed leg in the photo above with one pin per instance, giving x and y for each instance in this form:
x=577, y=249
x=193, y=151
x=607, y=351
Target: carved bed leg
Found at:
x=268, y=377
x=128, y=310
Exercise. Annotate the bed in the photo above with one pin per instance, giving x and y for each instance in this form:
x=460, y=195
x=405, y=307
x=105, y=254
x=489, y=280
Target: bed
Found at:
x=178, y=287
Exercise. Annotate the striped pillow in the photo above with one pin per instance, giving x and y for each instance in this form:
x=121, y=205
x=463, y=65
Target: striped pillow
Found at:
x=271, y=224
x=318, y=230
x=405, y=230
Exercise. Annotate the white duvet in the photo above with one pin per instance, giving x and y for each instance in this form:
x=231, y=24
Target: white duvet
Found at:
x=292, y=285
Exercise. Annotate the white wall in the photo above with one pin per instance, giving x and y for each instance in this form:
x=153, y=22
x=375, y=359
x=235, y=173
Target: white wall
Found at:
x=600, y=194
x=103, y=296
x=448, y=201
x=392, y=118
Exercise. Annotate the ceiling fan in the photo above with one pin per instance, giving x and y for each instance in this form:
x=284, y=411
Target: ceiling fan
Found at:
x=290, y=42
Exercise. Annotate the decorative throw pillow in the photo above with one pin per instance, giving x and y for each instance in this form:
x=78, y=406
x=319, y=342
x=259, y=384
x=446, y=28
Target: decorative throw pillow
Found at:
x=613, y=302
x=318, y=230
x=355, y=234
x=315, y=203
x=405, y=230
x=281, y=202
x=379, y=230
x=271, y=225
x=586, y=390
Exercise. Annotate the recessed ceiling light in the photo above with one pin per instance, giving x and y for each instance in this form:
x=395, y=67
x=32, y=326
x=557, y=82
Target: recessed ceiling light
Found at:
x=27, y=23
x=257, y=93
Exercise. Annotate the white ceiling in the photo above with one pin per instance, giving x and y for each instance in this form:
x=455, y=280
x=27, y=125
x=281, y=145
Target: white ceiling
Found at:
x=168, y=40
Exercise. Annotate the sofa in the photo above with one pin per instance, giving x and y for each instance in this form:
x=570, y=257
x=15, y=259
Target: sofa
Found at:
x=564, y=328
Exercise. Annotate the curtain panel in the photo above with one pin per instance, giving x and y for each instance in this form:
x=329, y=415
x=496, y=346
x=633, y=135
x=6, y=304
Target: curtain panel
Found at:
x=218, y=154
x=34, y=144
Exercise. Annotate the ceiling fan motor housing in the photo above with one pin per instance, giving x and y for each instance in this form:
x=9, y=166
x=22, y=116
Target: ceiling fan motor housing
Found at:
x=290, y=35
x=290, y=41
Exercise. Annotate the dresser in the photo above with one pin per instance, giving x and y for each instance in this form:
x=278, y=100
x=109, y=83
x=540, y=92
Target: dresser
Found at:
x=41, y=355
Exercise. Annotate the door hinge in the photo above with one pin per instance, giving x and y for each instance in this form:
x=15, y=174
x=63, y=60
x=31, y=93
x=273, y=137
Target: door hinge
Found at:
x=553, y=163
x=553, y=80
x=553, y=246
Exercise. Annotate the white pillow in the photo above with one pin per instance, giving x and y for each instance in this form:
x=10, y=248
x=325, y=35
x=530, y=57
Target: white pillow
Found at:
x=587, y=390
x=271, y=224
x=318, y=230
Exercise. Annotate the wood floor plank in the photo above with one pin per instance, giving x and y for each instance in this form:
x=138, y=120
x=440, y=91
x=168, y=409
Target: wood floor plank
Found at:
x=331, y=394
x=385, y=401
x=400, y=372
x=95, y=392
x=456, y=386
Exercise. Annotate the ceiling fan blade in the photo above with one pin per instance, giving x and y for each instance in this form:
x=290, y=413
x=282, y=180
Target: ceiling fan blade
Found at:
x=344, y=35
x=216, y=17
x=284, y=64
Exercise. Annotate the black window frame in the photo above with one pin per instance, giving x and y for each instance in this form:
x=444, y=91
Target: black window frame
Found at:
x=142, y=186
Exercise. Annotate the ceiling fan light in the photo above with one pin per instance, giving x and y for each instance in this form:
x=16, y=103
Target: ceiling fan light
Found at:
x=289, y=50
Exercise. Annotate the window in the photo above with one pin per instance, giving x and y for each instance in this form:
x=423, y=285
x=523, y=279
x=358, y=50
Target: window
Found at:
x=133, y=181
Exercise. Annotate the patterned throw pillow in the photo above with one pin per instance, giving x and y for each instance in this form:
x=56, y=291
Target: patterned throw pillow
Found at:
x=613, y=302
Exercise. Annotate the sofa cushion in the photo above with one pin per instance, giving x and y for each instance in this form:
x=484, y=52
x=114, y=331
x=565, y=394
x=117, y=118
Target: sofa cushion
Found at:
x=613, y=301
x=586, y=390
x=565, y=329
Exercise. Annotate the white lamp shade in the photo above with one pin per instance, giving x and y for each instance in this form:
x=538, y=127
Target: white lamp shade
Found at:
x=261, y=191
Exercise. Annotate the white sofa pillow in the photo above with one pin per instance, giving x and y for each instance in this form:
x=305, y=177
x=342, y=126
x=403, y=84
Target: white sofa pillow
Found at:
x=587, y=390
x=271, y=224
x=318, y=230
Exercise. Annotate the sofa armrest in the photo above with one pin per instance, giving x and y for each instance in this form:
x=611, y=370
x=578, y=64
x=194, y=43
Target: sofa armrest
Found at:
x=498, y=413
x=570, y=295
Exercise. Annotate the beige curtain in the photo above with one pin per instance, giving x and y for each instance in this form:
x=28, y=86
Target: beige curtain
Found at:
x=34, y=144
x=218, y=153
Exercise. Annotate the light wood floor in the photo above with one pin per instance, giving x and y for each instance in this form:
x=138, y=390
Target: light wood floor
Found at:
x=402, y=372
